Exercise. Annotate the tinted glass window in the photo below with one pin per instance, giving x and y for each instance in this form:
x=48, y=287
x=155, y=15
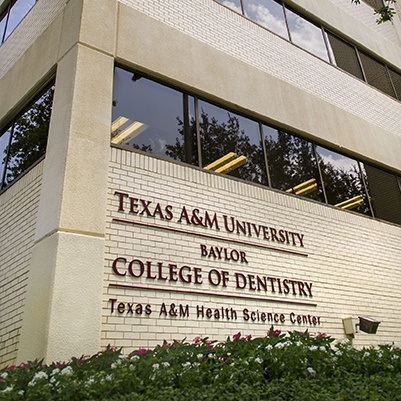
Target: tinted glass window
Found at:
x=29, y=137
x=385, y=194
x=342, y=180
x=148, y=116
x=4, y=141
x=3, y=22
x=225, y=134
x=233, y=4
x=376, y=74
x=396, y=80
x=306, y=35
x=292, y=165
x=374, y=3
x=267, y=13
x=345, y=56
x=17, y=12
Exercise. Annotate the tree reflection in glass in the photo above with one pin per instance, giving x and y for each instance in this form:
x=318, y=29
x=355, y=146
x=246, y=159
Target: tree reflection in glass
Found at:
x=306, y=35
x=148, y=116
x=292, y=165
x=343, y=182
x=222, y=132
x=4, y=142
x=268, y=13
x=29, y=137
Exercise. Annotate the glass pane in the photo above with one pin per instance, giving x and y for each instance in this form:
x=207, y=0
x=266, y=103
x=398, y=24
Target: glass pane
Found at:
x=3, y=21
x=385, y=194
x=306, y=35
x=292, y=165
x=4, y=141
x=267, y=13
x=150, y=117
x=342, y=181
x=224, y=133
x=29, y=138
x=396, y=80
x=17, y=13
x=345, y=56
x=233, y=4
x=374, y=3
x=376, y=74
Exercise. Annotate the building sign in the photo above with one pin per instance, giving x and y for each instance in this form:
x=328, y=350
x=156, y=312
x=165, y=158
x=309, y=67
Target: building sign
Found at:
x=226, y=272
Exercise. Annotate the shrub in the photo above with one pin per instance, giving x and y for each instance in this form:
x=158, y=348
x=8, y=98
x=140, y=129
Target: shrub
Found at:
x=293, y=366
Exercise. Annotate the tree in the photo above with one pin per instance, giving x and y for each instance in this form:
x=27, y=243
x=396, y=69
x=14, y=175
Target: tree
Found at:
x=29, y=137
x=384, y=13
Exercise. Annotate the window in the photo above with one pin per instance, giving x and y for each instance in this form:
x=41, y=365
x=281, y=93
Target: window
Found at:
x=23, y=141
x=12, y=14
x=225, y=134
x=376, y=4
x=385, y=191
x=154, y=118
x=307, y=35
x=345, y=55
x=274, y=16
x=268, y=13
x=292, y=164
x=150, y=117
x=342, y=180
x=376, y=74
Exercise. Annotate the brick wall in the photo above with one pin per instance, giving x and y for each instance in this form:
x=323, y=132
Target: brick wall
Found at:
x=236, y=36
x=352, y=261
x=18, y=211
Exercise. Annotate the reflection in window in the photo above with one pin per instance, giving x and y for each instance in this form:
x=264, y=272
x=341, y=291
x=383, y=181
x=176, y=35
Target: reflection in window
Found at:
x=342, y=180
x=376, y=4
x=149, y=117
x=28, y=134
x=13, y=14
x=268, y=13
x=292, y=165
x=233, y=4
x=396, y=80
x=157, y=119
x=385, y=191
x=306, y=35
x=225, y=134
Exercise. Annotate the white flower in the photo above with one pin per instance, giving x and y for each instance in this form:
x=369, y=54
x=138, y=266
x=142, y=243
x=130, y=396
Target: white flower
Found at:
x=113, y=365
x=135, y=358
x=258, y=360
x=21, y=392
x=269, y=347
x=52, y=380
x=155, y=366
x=280, y=345
x=186, y=364
x=165, y=364
x=67, y=371
x=395, y=357
x=40, y=375
x=4, y=375
x=322, y=348
x=109, y=378
x=313, y=347
x=311, y=371
x=7, y=390
x=199, y=356
x=55, y=371
x=366, y=355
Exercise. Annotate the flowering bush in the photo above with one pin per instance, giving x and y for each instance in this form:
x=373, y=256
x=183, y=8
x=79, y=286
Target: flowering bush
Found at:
x=292, y=366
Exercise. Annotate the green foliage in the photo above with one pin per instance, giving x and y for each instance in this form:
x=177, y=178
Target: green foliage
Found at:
x=385, y=13
x=293, y=366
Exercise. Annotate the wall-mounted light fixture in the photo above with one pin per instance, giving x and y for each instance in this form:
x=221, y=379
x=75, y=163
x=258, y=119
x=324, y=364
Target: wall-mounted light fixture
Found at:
x=365, y=324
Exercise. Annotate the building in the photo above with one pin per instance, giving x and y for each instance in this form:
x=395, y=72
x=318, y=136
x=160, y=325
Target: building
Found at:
x=175, y=168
